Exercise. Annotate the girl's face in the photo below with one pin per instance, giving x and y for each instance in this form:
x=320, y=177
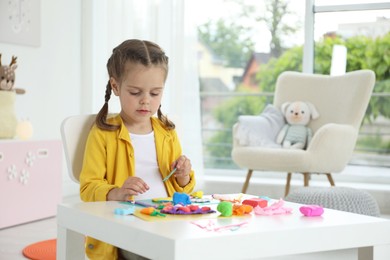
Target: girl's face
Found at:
x=140, y=93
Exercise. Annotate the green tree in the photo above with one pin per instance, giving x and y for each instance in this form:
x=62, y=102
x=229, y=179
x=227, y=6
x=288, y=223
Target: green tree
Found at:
x=232, y=41
x=274, y=18
x=228, y=113
x=268, y=73
x=228, y=40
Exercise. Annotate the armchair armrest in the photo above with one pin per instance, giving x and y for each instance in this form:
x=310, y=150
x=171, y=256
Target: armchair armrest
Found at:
x=334, y=144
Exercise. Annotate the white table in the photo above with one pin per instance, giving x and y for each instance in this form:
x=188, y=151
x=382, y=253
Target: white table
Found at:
x=335, y=234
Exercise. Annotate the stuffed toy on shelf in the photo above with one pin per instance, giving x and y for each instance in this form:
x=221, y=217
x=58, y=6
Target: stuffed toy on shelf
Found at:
x=8, y=120
x=7, y=76
x=296, y=134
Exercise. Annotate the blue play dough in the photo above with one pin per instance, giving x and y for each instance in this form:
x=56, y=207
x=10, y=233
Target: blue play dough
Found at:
x=121, y=211
x=181, y=198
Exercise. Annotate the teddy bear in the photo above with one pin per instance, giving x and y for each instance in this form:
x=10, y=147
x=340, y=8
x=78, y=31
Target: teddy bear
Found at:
x=296, y=134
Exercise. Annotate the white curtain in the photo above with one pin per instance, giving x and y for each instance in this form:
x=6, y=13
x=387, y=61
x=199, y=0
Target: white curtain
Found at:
x=106, y=23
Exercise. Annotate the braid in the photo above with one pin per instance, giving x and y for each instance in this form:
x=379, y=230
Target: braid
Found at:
x=102, y=115
x=107, y=96
x=168, y=123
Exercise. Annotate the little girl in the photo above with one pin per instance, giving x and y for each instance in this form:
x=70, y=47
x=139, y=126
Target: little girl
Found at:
x=128, y=155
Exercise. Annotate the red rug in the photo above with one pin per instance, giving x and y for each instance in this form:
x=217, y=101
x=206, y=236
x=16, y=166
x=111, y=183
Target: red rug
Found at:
x=44, y=250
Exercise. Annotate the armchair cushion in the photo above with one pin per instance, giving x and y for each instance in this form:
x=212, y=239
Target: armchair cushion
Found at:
x=260, y=130
x=329, y=151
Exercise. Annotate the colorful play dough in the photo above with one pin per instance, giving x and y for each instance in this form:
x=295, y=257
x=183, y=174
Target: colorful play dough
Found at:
x=240, y=210
x=181, y=198
x=311, y=210
x=254, y=202
x=225, y=208
x=197, y=194
x=186, y=210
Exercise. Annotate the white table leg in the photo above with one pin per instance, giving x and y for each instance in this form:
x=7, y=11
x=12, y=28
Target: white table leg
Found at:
x=70, y=244
x=381, y=252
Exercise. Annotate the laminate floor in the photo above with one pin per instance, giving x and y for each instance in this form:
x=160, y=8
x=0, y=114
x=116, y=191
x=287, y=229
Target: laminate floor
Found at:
x=14, y=239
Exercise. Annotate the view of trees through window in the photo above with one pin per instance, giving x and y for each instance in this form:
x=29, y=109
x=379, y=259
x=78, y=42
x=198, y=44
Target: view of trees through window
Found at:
x=243, y=49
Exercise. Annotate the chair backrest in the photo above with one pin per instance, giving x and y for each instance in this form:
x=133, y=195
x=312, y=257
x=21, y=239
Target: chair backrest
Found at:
x=74, y=133
x=338, y=99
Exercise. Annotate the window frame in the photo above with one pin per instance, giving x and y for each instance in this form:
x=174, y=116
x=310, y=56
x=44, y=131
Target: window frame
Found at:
x=311, y=10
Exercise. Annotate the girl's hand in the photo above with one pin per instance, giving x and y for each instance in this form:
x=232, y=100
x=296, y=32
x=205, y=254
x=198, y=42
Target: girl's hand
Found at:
x=132, y=186
x=183, y=168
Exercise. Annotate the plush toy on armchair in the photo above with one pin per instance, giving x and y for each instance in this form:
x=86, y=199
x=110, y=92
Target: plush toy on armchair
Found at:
x=296, y=134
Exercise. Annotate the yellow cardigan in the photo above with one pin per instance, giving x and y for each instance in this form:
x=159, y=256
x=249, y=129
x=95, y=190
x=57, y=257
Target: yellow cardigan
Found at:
x=109, y=161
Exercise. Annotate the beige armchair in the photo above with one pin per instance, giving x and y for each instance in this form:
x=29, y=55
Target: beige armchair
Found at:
x=341, y=102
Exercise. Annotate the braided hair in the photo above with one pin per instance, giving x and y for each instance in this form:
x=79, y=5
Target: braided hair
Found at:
x=139, y=52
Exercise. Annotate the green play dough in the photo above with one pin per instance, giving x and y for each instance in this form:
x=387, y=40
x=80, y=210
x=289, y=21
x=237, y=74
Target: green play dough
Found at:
x=225, y=208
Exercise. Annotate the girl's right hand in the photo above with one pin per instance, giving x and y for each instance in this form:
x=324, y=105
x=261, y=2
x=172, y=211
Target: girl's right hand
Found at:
x=132, y=186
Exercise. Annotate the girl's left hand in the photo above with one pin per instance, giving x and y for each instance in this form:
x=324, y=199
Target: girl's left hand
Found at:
x=183, y=168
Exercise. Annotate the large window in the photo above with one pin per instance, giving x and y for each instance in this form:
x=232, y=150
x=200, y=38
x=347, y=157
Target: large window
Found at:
x=362, y=29
x=245, y=45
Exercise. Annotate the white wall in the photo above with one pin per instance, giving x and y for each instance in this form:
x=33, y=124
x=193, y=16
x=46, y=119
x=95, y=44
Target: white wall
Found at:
x=50, y=73
x=64, y=75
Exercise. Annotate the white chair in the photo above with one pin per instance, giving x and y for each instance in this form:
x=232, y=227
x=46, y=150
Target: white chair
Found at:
x=341, y=102
x=74, y=133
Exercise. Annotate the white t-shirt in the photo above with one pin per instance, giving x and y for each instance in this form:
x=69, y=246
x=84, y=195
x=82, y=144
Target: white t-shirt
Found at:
x=146, y=166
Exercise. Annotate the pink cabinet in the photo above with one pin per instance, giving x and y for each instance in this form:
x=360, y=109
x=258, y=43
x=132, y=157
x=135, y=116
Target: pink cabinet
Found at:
x=30, y=180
